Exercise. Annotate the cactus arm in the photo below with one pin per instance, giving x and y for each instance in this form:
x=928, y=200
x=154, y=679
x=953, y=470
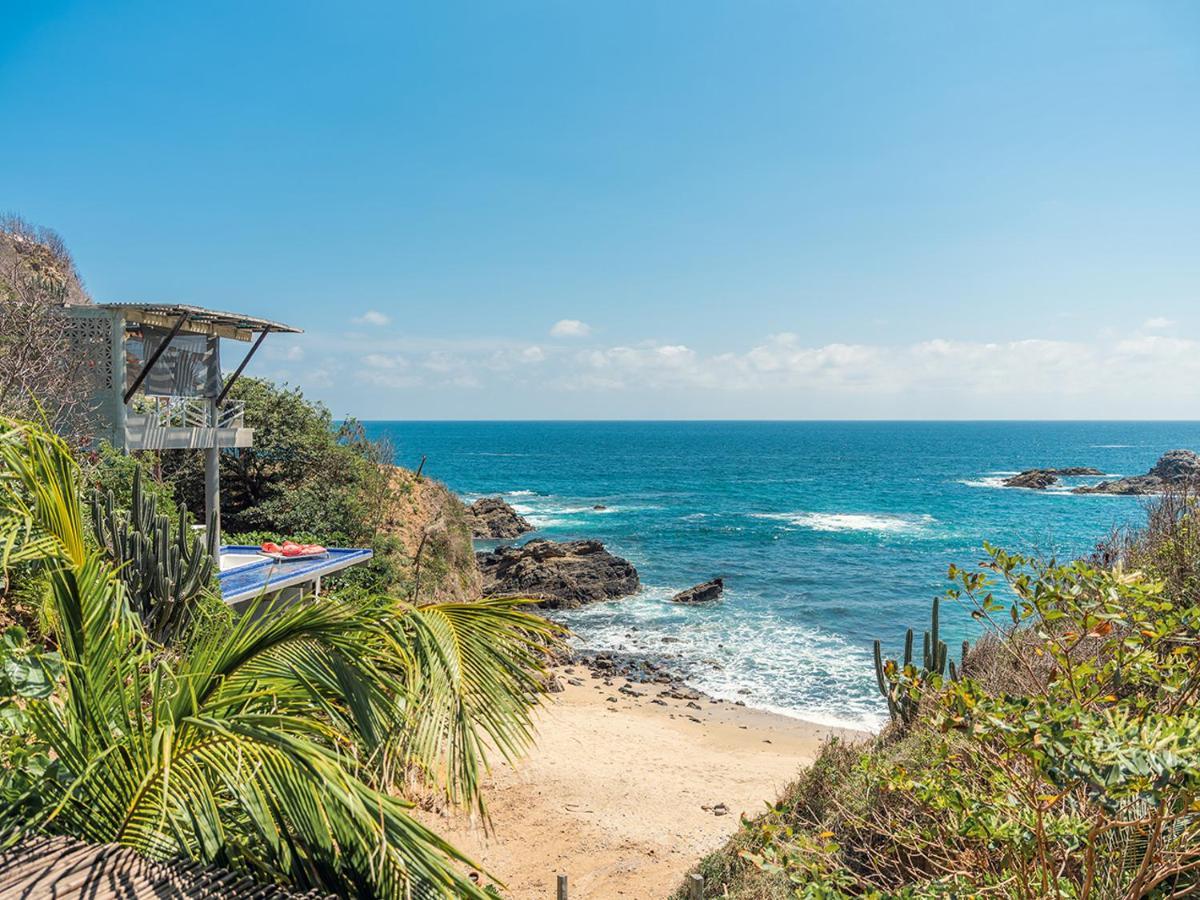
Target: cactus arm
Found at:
x=879, y=679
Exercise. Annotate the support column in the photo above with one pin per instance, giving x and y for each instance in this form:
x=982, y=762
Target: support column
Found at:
x=212, y=489
x=212, y=455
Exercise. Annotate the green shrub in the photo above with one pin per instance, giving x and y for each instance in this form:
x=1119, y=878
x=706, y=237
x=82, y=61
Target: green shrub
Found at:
x=303, y=474
x=107, y=470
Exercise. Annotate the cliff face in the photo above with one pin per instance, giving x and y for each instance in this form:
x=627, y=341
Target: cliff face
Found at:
x=435, y=533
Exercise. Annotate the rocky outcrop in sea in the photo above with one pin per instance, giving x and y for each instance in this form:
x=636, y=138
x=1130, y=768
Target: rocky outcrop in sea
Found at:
x=493, y=519
x=562, y=575
x=701, y=593
x=1175, y=470
x=1040, y=479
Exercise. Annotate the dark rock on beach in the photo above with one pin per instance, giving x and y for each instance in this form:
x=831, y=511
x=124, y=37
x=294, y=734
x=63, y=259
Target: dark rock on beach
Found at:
x=701, y=593
x=1040, y=479
x=562, y=575
x=1175, y=469
x=491, y=518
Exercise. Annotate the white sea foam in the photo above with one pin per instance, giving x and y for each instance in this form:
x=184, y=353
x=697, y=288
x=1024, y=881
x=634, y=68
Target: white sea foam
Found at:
x=520, y=493
x=753, y=656
x=541, y=522
x=882, y=522
x=987, y=481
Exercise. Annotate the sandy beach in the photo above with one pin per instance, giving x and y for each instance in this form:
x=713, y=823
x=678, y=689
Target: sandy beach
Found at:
x=614, y=793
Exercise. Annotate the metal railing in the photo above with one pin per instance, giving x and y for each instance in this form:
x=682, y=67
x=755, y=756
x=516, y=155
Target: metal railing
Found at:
x=188, y=412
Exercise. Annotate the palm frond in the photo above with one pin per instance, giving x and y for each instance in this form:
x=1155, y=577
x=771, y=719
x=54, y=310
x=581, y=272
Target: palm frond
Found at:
x=476, y=674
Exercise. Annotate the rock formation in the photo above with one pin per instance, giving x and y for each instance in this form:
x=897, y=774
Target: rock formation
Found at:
x=1040, y=479
x=701, y=593
x=562, y=575
x=493, y=519
x=1178, y=469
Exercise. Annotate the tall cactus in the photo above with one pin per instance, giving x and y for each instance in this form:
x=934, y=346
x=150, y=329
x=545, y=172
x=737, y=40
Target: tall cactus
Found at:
x=163, y=572
x=903, y=700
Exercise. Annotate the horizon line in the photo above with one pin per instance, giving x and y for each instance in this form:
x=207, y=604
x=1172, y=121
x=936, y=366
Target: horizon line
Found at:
x=665, y=421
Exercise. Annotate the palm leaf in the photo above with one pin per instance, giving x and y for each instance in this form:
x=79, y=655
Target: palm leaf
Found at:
x=476, y=674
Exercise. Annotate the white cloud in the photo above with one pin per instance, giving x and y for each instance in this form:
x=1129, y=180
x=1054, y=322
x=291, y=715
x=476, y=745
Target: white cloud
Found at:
x=373, y=317
x=1157, y=322
x=1122, y=373
x=384, y=361
x=320, y=377
x=570, y=328
x=388, y=379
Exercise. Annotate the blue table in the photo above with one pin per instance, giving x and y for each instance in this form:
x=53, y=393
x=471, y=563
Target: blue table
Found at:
x=246, y=573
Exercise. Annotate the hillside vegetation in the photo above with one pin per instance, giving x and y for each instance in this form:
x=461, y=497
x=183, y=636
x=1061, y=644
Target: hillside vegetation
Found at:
x=39, y=373
x=1060, y=757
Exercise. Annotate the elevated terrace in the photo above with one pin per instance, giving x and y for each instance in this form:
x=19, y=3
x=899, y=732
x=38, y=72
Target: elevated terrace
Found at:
x=154, y=380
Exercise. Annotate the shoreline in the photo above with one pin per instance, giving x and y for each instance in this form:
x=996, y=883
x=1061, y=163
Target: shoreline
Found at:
x=629, y=784
x=642, y=669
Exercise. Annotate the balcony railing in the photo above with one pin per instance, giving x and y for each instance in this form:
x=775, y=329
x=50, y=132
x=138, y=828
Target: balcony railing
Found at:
x=188, y=412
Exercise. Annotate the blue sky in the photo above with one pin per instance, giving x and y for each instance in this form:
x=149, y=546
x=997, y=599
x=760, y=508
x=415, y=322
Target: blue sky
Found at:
x=748, y=209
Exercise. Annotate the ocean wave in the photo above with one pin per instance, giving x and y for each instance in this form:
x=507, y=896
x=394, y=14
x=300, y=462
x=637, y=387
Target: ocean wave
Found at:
x=881, y=522
x=520, y=493
x=987, y=481
x=533, y=510
x=543, y=522
x=757, y=657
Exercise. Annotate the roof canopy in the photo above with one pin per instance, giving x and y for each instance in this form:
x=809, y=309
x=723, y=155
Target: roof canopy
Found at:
x=198, y=320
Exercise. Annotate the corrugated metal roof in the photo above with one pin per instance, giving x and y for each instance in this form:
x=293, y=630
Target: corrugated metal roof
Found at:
x=200, y=315
x=67, y=869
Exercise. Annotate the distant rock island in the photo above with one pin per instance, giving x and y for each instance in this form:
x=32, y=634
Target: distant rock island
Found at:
x=562, y=575
x=493, y=519
x=1175, y=469
x=1040, y=479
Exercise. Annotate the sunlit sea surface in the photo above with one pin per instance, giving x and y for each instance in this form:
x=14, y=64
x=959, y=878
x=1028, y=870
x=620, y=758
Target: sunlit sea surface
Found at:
x=828, y=535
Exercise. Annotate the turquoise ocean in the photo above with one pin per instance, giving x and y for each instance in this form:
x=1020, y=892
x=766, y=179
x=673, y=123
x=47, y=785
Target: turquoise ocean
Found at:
x=828, y=534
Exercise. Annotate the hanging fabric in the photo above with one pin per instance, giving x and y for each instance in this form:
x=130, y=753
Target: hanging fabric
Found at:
x=189, y=367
